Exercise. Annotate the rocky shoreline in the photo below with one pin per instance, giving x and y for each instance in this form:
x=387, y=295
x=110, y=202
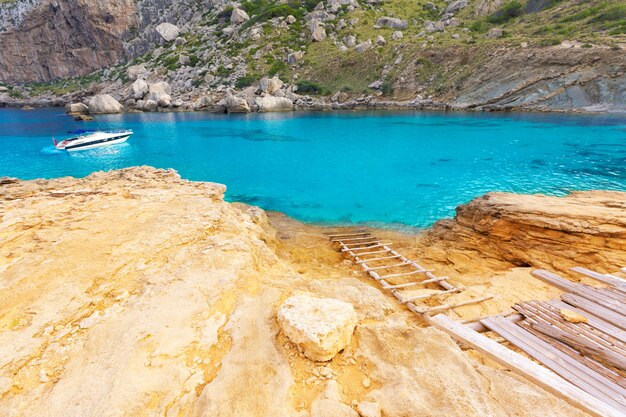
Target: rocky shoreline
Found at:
x=135, y=291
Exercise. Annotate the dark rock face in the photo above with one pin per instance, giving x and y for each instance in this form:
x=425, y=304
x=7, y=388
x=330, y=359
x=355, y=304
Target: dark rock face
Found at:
x=65, y=38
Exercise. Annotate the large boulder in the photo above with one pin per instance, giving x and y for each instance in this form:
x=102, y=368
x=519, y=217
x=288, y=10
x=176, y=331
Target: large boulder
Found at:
x=363, y=46
x=104, y=103
x=318, y=33
x=236, y=104
x=77, y=108
x=271, y=85
x=271, y=104
x=140, y=89
x=320, y=327
x=238, y=16
x=160, y=93
x=136, y=72
x=457, y=5
x=168, y=31
x=392, y=22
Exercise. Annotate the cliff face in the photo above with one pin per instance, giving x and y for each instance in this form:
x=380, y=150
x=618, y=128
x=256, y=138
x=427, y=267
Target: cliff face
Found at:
x=60, y=39
x=582, y=228
x=134, y=292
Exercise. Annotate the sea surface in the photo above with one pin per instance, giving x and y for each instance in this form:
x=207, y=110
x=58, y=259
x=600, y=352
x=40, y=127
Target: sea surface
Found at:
x=388, y=169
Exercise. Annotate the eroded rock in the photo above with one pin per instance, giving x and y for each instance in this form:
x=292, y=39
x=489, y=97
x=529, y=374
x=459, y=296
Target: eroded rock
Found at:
x=168, y=31
x=104, y=103
x=320, y=327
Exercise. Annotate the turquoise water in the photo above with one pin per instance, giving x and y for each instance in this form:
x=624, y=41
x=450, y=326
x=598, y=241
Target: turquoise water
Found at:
x=382, y=168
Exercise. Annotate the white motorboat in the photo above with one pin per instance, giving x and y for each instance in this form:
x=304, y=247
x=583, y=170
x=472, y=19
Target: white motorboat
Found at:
x=89, y=139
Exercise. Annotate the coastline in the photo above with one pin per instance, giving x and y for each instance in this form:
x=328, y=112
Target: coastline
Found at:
x=178, y=290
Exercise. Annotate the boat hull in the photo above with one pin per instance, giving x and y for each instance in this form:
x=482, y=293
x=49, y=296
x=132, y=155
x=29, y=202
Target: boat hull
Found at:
x=98, y=143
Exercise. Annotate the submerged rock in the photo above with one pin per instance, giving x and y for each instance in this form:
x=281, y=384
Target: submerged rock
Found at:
x=104, y=103
x=320, y=327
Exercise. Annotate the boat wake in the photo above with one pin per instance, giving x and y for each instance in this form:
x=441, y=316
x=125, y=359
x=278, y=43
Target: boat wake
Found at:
x=51, y=150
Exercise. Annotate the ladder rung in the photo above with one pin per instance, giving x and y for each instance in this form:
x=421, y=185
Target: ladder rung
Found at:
x=410, y=284
x=417, y=271
x=348, y=234
x=449, y=306
x=352, y=238
x=365, y=247
x=362, y=243
x=426, y=296
x=377, y=259
x=386, y=266
x=371, y=253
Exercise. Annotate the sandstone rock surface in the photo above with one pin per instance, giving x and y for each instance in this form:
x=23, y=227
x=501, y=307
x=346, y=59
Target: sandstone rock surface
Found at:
x=104, y=103
x=582, y=228
x=320, y=327
x=135, y=292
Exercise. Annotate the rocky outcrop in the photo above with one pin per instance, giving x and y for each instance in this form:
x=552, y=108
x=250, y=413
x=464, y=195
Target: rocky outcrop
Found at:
x=273, y=104
x=62, y=39
x=236, y=104
x=582, y=228
x=320, y=327
x=174, y=313
x=104, y=103
x=270, y=85
x=77, y=108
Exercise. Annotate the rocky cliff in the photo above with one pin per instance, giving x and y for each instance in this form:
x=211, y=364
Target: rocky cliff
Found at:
x=342, y=54
x=62, y=39
x=134, y=292
x=556, y=233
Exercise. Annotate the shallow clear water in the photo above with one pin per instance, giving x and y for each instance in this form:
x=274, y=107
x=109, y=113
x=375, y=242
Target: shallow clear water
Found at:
x=384, y=168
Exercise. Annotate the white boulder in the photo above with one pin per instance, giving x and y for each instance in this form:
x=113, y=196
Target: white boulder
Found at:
x=140, y=89
x=168, y=31
x=135, y=72
x=104, y=103
x=77, y=108
x=236, y=104
x=271, y=104
x=238, y=16
x=368, y=409
x=320, y=327
x=270, y=85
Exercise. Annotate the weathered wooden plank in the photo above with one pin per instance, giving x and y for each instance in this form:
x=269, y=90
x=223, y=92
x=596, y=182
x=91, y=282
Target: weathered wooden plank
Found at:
x=369, y=242
x=578, y=289
x=380, y=245
x=444, y=307
x=606, y=278
x=526, y=368
x=611, y=316
x=376, y=259
x=350, y=239
x=416, y=283
x=372, y=253
x=593, y=320
x=417, y=271
x=386, y=266
x=568, y=368
x=427, y=296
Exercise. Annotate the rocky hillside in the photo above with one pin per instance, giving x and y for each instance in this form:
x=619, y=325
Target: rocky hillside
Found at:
x=152, y=296
x=487, y=54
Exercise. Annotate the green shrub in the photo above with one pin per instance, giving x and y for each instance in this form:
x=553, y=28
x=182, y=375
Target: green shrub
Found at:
x=276, y=67
x=245, y=81
x=507, y=12
x=479, y=26
x=309, y=87
x=222, y=71
x=387, y=88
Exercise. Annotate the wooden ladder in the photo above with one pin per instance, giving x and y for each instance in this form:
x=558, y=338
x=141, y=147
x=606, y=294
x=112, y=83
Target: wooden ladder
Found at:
x=375, y=256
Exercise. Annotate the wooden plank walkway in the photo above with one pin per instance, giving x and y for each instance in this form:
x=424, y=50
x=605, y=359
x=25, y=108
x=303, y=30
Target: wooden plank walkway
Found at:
x=588, y=353
x=376, y=257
